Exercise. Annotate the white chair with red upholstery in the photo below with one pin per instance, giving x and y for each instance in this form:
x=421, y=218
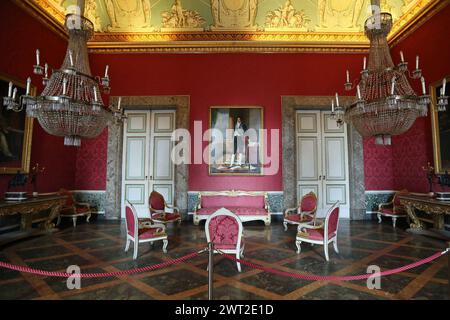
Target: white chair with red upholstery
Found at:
x=224, y=229
x=158, y=209
x=304, y=214
x=393, y=209
x=323, y=234
x=142, y=231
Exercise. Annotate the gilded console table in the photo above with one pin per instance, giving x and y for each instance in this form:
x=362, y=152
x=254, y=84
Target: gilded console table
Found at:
x=26, y=209
x=435, y=208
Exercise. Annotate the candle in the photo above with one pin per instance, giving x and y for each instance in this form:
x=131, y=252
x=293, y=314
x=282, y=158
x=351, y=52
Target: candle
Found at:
x=46, y=70
x=332, y=106
x=417, y=62
x=424, y=90
x=28, y=86
x=14, y=94
x=95, y=94
x=64, y=86
x=402, y=57
x=444, y=83
x=106, y=71
x=120, y=102
x=10, y=89
x=348, y=77
x=359, y=91
x=393, y=86
x=71, y=58
x=365, y=63
x=38, y=61
x=337, y=100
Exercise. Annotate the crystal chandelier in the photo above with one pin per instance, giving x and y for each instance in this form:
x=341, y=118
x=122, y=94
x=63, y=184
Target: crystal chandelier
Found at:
x=386, y=104
x=70, y=105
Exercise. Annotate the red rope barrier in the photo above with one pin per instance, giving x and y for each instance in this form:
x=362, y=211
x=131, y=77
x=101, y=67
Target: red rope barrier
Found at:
x=336, y=278
x=96, y=275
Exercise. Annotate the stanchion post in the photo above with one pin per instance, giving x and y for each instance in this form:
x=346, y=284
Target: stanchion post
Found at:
x=448, y=267
x=210, y=271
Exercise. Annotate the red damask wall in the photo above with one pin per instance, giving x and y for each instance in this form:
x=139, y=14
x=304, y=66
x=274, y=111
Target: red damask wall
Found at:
x=412, y=150
x=214, y=80
x=20, y=35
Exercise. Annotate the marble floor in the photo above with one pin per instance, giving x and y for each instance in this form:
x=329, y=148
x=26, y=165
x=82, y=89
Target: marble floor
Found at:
x=98, y=247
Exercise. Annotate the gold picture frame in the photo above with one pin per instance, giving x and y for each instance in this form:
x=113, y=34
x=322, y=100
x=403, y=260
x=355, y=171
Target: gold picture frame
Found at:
x=441, y=159
x=246, y=169
x=16, y=131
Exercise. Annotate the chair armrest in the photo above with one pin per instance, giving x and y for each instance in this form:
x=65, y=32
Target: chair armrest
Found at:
x=83, y=204
x=386, y=204
x=307, y=213
x=308, y=226
x=159, y=225
x=173, y=208
x=153, y=211
x=289, y=210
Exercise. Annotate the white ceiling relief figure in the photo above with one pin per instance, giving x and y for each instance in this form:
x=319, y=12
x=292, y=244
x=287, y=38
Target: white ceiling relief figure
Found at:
x=129, y=15
x=339, y=14
x=234, y=14
x=180, y=19
x=287, y=17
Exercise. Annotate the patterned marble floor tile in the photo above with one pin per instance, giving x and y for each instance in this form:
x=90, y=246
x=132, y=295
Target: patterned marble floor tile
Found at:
x=118, y=292
x=315, y=265
x=417, y=253
x=274, y=283
x=17, y=291
x=42, y=252
x=335, y=292
x=433, y=291
x=95, y=244
x=61, y=263
x=176, y=281
x=269, y=255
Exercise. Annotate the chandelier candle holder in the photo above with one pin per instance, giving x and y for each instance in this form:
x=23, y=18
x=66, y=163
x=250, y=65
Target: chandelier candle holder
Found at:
x=386, y=104
x=71, y=104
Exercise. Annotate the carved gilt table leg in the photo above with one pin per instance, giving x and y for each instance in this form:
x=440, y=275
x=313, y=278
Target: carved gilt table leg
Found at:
x=53, y=215
x=415, y=223
x=26, y=221
x=438, y=221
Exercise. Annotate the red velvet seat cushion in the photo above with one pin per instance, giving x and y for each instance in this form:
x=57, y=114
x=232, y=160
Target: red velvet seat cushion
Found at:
x=232, y=202
x=238, y=211
x=169, y=216
x=314, y=234
x=148, y=233
x=390, y=211
x=228, y=246
x=297, y=218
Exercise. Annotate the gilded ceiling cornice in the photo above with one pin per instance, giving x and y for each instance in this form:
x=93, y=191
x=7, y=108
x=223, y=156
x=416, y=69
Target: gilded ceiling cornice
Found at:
x=236, y=41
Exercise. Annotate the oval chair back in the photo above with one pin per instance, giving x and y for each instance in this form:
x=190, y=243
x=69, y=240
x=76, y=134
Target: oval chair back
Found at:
x=156, y=202
x=308, y=202
x=331, y=222
x=224, y=229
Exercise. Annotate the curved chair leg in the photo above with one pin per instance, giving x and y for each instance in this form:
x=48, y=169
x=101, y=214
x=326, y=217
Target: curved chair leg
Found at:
x=285, y=226
x=88, y=218
x=379, y=218
x=135, y=251
x=335, y=246
x=74, y=220
x=394, y=221
x=242, y=251
x=166, y=242
x=325, y=249
x=237, y=263
x=299, y=249
x=127, y=246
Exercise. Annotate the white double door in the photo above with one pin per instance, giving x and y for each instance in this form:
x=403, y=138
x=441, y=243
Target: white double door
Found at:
x=147, y=163
x=322, y=160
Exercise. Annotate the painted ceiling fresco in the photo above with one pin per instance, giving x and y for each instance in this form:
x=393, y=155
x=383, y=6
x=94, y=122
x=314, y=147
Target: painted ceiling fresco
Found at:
x=309, y=21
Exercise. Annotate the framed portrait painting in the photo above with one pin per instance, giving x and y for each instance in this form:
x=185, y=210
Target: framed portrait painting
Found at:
x=235, y=137
x=440, y=123
x=16, y=130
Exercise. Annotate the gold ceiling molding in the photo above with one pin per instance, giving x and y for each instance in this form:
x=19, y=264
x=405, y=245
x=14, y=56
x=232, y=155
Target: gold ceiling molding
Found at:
x=247, y=40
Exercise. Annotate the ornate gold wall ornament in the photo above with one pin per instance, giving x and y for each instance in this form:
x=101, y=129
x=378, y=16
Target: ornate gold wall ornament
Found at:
x=285, y=17
x=179, y=19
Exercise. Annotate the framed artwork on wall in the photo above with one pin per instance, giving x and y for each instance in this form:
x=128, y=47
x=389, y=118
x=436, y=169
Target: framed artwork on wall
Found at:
x=440, y=123
x=16, y=131
x=236, y=142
